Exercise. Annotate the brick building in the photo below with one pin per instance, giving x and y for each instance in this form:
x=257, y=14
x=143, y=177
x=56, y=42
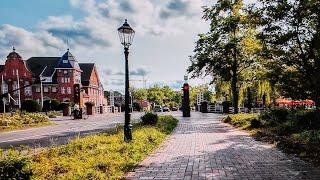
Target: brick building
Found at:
x=58, y=75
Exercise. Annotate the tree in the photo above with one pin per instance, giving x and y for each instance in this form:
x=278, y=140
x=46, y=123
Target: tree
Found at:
x=291, y=35
x=140, y=94
x=221, y=52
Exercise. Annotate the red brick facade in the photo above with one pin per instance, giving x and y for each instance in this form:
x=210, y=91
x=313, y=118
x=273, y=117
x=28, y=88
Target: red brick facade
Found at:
x=58, y=75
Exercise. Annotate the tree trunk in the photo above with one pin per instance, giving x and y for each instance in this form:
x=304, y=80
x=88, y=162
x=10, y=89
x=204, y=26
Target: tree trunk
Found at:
x=235, y=95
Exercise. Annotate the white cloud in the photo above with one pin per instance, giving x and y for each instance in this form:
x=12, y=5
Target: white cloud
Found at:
x=26, y=42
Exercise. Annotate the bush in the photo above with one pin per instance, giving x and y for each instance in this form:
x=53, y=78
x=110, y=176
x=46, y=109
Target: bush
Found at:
x=243, y=120
x=307, y=120
x=30, y=106
x=15, y=166
x=149, y=119
x=22, y=120
x=55, y=104
x=255, y=123
x=136, y=106
x=307, y=136
x=275, y=116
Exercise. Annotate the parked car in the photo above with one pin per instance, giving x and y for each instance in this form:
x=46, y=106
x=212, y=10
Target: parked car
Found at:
x=157, y=108
x=174, y=109
x=165, y=109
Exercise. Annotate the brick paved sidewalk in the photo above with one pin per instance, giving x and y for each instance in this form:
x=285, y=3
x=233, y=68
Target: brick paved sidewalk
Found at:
x=204, y=148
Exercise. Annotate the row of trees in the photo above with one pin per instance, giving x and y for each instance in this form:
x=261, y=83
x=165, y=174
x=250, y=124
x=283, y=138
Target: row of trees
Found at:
x=268, y=48
x=170, y=97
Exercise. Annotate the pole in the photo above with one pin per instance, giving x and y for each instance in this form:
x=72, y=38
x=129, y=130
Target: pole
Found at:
x=19, y=94
x=127, y=123
x=41, y=91
x=2, y=87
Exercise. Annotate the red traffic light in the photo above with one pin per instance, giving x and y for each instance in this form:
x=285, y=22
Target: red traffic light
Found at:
x=185, y=87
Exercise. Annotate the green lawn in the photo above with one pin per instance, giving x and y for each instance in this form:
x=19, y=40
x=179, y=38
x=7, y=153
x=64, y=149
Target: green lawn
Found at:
x=103, y=156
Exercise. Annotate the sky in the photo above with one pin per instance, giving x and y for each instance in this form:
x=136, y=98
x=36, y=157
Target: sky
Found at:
x=166, y=32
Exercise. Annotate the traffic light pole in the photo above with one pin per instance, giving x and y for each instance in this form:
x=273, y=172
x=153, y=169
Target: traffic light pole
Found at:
x=186, y=100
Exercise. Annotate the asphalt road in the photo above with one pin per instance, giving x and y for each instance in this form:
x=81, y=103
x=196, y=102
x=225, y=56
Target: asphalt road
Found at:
x=61, y=133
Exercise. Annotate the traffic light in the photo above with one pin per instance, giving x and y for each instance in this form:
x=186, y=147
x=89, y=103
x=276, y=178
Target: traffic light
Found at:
x=77, y=112
x=76, y=91
x=185, y=100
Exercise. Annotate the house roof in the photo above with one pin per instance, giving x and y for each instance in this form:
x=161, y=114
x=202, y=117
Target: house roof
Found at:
x=68, y=61
x=37, y=64
x=87, y=69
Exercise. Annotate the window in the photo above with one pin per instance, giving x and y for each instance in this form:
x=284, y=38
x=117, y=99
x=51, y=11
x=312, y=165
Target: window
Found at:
x=4, y=87
x=53, y=89
x=69, y=90
x=27, y=90
x=63, y=90
x=62, y=80
x=13, y=72
x=14, y=87
x=65, y=61
x=65, y=71
x=45, y=89
x=37, y=89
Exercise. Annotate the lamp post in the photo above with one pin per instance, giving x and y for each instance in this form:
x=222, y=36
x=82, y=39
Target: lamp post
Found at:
x=126, y=34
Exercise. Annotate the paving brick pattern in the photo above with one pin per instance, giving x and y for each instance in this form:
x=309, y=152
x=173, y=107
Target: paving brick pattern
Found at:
x=204, y=148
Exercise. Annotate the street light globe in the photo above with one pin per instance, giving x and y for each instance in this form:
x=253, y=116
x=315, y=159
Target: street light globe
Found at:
x=126, y=34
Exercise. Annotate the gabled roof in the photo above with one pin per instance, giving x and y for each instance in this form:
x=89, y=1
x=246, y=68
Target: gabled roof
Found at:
x=87, y=69
x=37, y=64
x=68, y=61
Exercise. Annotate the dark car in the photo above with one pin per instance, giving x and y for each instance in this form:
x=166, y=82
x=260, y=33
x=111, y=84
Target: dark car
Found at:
x=165, y=109
x=174, y=109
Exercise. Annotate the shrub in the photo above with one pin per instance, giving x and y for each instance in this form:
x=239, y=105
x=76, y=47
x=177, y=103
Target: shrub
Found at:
x=55, y=104
x=307, y=120
x=255, y=123
x=274, y=117
x=136, y=106
x=307, y=136
x=30, y=106
x=15, y=166
x=149, y=119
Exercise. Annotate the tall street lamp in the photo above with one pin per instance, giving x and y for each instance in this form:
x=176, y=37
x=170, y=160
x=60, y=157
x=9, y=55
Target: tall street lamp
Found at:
x=126, y=34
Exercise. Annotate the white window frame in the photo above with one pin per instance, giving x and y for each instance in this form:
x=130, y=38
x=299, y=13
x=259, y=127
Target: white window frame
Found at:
x=63, y=90
x=69, y=90
x=45, y=89
x=53, y=89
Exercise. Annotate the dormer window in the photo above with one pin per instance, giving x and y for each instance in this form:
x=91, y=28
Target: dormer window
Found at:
x=65, y=61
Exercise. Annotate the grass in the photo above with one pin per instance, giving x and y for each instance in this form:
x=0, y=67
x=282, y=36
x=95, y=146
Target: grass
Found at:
x=295, y=132
x=102, y=156
x=22, y=120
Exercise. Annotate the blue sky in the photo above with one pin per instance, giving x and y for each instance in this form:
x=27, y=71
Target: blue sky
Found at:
x=165, y=35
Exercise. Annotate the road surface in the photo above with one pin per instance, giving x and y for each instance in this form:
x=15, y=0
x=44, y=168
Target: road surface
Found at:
x=61, y=133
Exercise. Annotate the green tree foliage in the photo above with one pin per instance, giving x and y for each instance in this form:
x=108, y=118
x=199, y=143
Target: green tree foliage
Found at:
x=159, y=95
x=228, y=48
x=291, y=36
x=207, y=93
